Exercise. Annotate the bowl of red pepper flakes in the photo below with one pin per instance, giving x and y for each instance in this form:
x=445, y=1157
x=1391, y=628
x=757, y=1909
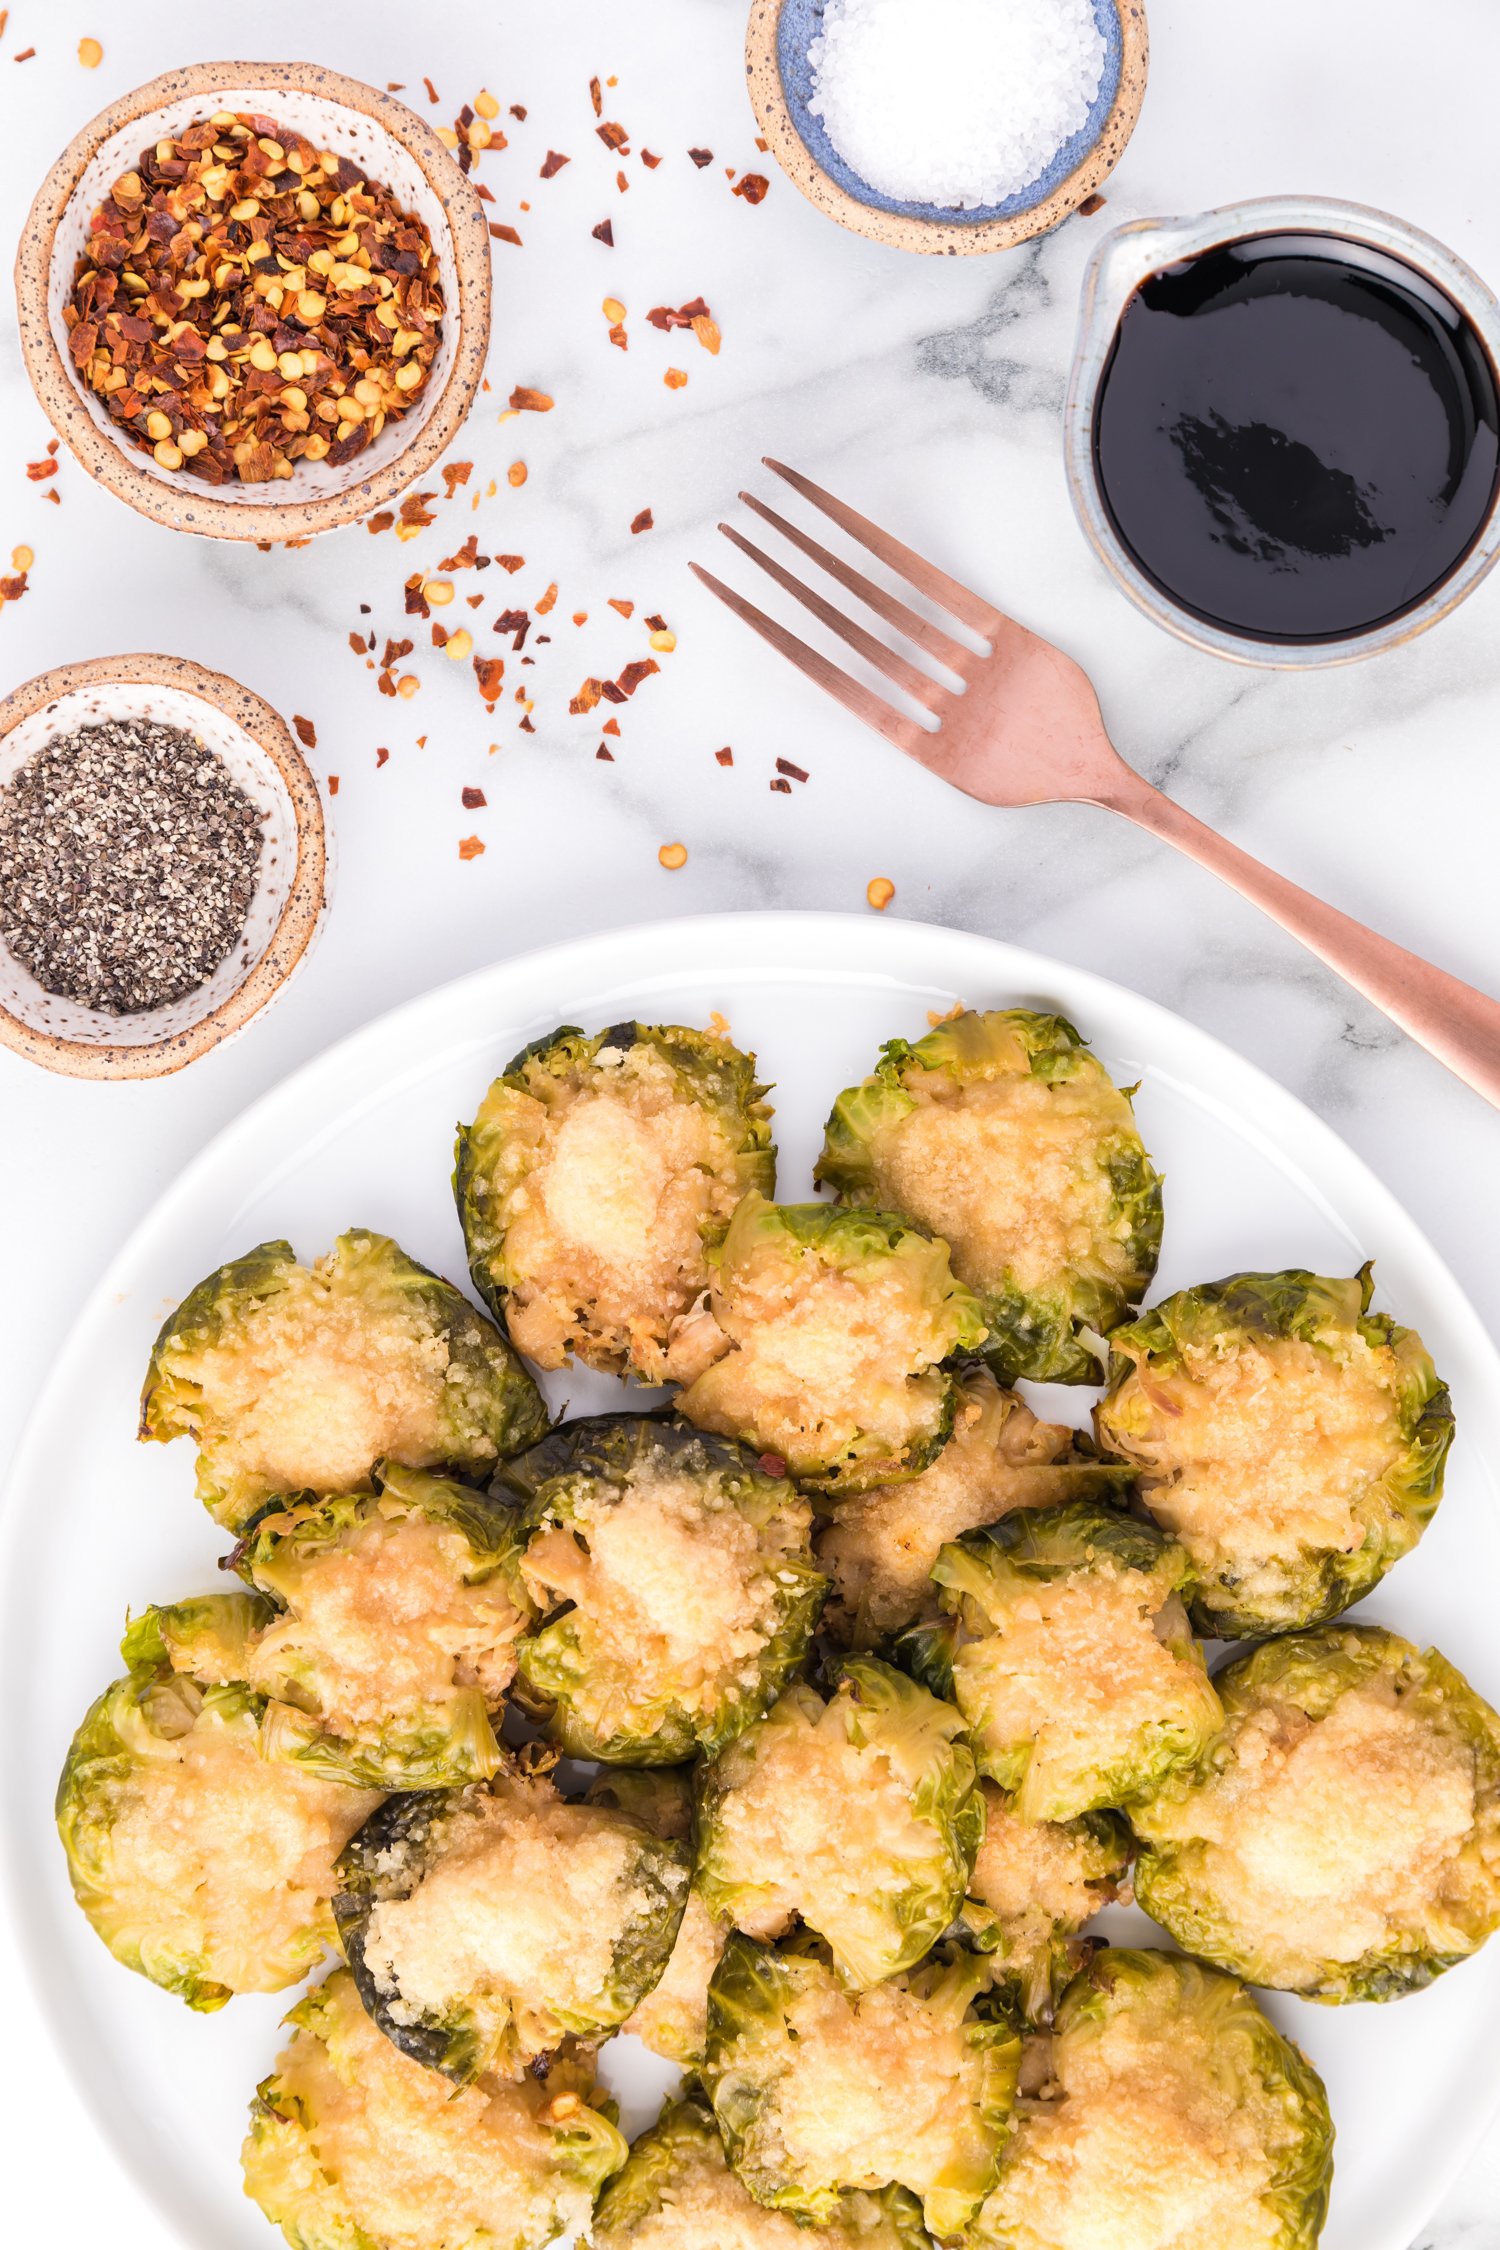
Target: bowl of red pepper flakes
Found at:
x=254, y=299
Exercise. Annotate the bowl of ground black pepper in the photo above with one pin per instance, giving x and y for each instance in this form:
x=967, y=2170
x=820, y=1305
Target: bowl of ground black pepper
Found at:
x=254, y=298
x=163, y=864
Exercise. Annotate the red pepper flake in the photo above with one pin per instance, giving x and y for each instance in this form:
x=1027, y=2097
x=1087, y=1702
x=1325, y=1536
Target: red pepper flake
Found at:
x=382, y=521
x=784, y=765
x=665, y=318
x=626, y=609
x=645, y=521
x=773, y=1464
x=611, y=726
x=675, y=378
x=512, y=563
x=394, y=651
x=25, y=55
x=526, y=726
x=784, y=787
x=724, y=757
x=618, y=336
x=633, y=674
x=514, y=621
x=505, y=234
x=474, y=800
x=380, y=758
x=596, y=96
x=470, y=847
x=604, y=233
x=655, y=624
x=11, y=589
x=518, y=110
x=307, y=733
x=752, y=187
x=414, y=509
x=701, y=156
x=453, y=474
x=36, y=470
x=466, y=557
x=53, y=495
x=439, y=635
x=649, y=160
x=622, y=183
x=554, y=164
x=415, y=596
x=490, y=673
x=580, y=617
x=604, y=751
x=524, y=400
x=613, y=136
x=587, y=698
x=548, y=601
x=358, y=643
x=432, y=92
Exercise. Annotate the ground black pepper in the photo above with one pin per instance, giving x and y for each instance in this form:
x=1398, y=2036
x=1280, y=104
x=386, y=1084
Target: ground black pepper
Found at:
x=128, y=860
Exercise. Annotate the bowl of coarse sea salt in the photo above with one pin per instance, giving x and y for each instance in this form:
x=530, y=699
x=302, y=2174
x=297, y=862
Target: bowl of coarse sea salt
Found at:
x=947, y=126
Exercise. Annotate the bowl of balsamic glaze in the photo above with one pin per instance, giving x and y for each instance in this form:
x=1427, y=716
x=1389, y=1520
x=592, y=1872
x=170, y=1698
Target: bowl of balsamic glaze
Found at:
x=1283, y=427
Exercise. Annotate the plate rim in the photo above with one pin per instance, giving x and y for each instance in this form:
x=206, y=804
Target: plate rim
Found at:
x=1020, y=970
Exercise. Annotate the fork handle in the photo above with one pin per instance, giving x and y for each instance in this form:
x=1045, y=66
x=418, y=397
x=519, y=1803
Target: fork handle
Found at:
x=1453, y=1021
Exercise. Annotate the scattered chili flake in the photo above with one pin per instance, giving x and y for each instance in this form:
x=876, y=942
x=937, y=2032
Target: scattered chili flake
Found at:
x=36, y=470
x=784, y=787
x=394, y=651
x=473, y=799
x=414, y=595
x=380, y=758
x=25, y=55
x=415, y=512
x=357, y=643
x=675, y=378
x=580, y=617
x=53, y=495
x=514, y=621
x=554, y=164
x=604, y=233
x=407, y=686
x=470, y=847
x=611, y=726
x=664, y=640
x=333, y=785
x=432, y=92
x=665, y=318
x=518, y=110
x=752, y=186
x=307, y=733
x=626, y=609
x=90, y=53
x=453, y=474
x=622, y=183
x=618, y=336
x=604, y=751
x=673, y=855
x=763, y=146
x=466, y=557
x=879, y=892
x=505, y=234
x=1091, y=204
x=613, y=136
x=587, y=698
x=516, y=473
x=459, y=644
x=511, y=563
x=645, y=521
x=701, y=156
x=649, y=160
x=490, y=672
x=548, y=601
x=774, y=1464
x=784, y=765
x=526, y=726
x=524, y=400
x=612, y=309
x=724, y=757
x=11, y=589
x=382, y=521
x=706, y=329
x=596, y=96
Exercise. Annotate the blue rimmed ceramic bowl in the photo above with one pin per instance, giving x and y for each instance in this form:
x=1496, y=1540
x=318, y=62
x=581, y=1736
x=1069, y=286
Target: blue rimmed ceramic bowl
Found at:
x=781, y=32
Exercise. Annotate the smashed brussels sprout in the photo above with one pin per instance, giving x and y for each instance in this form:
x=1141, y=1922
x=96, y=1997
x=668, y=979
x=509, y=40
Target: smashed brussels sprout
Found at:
x=675, y=1578
x=879, y=1547
x=199, y=1863
x=596, y=1177
x=1167, y=2111
x=1035, y=1884
x=299, y=1379
x=1000, y=1132
x=484, y=1924
x=677, y=2192
x=1068, y=1650
x=1292, y=1441
x=672, y=2018
x=1342, y=1838
x=352, y=2146
x=395, y=1638
x=861, y=1815
x=818, y=2090
x=837, y=1325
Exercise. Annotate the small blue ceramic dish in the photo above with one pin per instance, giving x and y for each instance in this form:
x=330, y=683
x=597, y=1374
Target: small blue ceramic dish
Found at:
x=779, y=40
x=801, y=22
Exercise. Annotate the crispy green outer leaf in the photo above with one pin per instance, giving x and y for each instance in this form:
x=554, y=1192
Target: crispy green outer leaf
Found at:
x=568, y=1666
x=1034, y=1332
x=1304, y=1676
x=751, y=2049
x=899, y=1903
x=708, y=1071
x=404, y=1841
x=436, y=1746
x=1254, y=1311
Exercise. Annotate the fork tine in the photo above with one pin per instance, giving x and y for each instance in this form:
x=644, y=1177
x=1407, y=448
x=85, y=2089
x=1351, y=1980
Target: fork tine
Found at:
x=920, y=686
x=959, y=601
x=873, y=709
x=920, y=630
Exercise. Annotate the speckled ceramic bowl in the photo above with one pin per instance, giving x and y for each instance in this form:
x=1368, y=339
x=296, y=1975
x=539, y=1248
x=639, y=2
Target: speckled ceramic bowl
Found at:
x=257, y=747
x=337, y=113
x=781, y=90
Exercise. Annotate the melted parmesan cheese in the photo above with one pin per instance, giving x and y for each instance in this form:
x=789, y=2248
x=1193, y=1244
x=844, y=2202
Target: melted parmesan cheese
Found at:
x=1261, y=1448
x=1077, y=1669
x=418, y=2163
x=1008, y=1171
x=519, y=1918
x=1034, y=1874
x=672, y=2020
x=382, y=1625
x=1145, y=2145
x=819, y=1827
x=614, y=1183
x=226, y=1861
x=1328, y=1840
x=703, y=2207
x=880, y=1546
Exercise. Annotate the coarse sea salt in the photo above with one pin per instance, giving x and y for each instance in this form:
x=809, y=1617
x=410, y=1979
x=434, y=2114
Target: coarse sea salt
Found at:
x=954, y=102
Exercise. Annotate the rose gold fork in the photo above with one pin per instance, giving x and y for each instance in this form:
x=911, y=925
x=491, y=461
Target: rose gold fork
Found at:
x=1027, y=730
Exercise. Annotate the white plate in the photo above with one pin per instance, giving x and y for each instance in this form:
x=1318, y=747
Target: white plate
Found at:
x=364, y=1136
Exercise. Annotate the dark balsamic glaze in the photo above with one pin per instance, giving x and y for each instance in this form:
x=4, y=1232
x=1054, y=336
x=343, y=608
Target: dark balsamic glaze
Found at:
x=1296, y=437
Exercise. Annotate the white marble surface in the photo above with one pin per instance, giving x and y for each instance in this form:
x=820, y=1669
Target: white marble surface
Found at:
x=927, y=392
